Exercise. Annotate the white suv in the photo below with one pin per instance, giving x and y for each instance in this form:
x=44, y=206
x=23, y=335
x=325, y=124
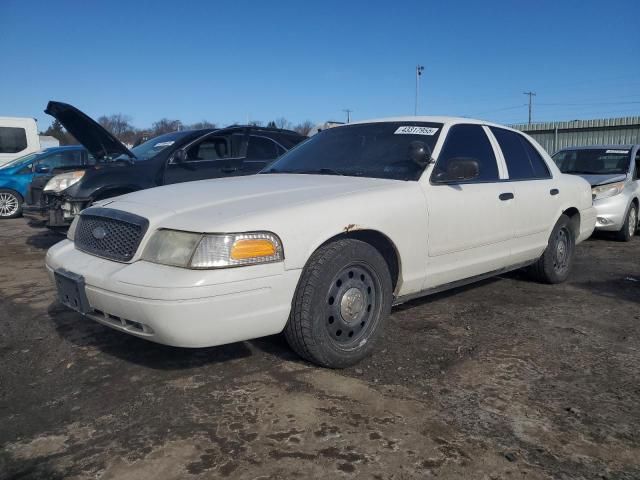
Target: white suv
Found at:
x=323, y=242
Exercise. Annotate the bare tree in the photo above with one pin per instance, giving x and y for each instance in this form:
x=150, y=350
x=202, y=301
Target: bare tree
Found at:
x=283, y=123
x=304, y=128
x=201, y=125
x=118, y=124
x=165, y=125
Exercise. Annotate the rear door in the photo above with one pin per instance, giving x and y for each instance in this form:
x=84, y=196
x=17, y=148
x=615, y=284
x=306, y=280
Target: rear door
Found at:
x=537, y=194
x=470, y=226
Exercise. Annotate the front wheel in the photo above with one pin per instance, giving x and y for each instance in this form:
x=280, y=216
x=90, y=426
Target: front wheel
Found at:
x=343, y=298
x=630, y=225
x=10, y=204
x=555, y=263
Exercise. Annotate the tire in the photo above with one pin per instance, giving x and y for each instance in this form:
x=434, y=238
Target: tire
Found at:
x=341, y=304
x=630, y=225
x=556, y=262
x=10, y=204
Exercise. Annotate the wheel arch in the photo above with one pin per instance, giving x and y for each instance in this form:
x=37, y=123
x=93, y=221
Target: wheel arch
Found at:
x=13, y=190
x=377, y=240
x=574, y=216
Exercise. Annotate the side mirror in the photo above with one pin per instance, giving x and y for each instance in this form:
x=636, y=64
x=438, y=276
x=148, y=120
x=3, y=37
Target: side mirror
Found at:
x=179, y=156
x=42, y=169
x=419, y=153
x=459, y=169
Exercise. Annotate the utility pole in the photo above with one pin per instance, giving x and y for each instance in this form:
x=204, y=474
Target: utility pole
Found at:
x=419, y=70
x=348, y=112
x=531, y=95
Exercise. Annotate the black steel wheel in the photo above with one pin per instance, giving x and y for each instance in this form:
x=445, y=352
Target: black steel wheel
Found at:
x=555, y=263
x=342, y=301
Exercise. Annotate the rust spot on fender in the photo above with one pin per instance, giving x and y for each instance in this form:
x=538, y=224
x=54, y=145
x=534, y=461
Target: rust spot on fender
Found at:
x=351, y=227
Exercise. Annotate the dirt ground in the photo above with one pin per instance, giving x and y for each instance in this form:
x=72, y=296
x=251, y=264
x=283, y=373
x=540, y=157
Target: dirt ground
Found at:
x=506, y=379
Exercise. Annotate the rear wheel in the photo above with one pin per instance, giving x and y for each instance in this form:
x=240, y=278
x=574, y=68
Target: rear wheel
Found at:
x=630, y=225
x=342, y=301
x=555, y=263
x=10, y=204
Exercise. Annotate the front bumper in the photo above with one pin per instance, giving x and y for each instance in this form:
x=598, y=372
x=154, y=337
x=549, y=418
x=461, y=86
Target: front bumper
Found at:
x=181, y=307
x=54, y=210
x=612, y=212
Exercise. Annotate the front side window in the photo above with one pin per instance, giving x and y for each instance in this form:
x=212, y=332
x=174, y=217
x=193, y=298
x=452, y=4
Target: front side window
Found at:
x=12, y=139
x=211, y=148
x=523, y=161
x=69, y=158
x=636, y=175
x=468, y=142
x=391, y=150
x=593, y=161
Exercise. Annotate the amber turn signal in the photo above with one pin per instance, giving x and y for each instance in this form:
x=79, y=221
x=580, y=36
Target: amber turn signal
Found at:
x=252, y=248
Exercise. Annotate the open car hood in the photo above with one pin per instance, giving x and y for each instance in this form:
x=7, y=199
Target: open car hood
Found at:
x=87, y=131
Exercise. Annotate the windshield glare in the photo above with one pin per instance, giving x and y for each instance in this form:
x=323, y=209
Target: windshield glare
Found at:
x=593, y=161
x=24, y=159
x=152, y=147
x=379, y=150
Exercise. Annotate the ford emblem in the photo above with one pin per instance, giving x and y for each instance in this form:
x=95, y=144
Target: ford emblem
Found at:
x=99, y=233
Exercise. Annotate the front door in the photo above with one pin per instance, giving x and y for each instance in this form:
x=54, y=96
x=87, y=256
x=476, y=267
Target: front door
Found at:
x=470, y=223
x=213, y=156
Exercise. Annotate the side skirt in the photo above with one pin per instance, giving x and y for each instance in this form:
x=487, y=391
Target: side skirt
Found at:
x=460, y=283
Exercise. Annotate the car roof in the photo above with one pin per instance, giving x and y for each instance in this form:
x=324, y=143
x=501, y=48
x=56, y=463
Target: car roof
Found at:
x=64, y=147
x=430, y=119
x=626, y=146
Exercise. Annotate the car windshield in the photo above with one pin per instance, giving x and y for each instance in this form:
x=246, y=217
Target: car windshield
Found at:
x=393, y=150
x=152, y=147
x=593, y=161
x=21, y=160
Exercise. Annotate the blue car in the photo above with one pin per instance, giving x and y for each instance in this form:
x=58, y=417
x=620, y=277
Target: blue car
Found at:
x=17, y=175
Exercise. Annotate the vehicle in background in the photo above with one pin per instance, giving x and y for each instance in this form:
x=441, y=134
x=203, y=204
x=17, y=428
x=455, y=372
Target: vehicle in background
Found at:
x=321, y=243
x=613, y=173
x=17, y=175
x=171, y=158
x=47, y=141
x=18, y=137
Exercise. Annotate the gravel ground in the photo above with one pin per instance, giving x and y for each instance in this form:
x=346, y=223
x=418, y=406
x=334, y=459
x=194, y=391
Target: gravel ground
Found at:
x=503, y=379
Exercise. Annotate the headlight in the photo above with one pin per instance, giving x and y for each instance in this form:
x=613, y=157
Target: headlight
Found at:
x=606, y=191
x=71, y=233
x=196, y=250
x=63, y=181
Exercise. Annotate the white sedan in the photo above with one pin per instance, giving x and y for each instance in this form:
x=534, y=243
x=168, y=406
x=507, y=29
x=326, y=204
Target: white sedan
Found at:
x=323, y=242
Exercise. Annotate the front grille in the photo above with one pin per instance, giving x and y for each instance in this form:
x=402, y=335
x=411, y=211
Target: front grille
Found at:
x=110, y=233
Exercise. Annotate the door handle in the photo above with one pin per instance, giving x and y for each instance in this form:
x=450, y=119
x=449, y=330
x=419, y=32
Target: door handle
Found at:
x=506, y=196
x=554, y=191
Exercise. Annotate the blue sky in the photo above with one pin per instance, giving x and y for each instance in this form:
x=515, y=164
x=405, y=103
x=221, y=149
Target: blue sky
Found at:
x=233, y=60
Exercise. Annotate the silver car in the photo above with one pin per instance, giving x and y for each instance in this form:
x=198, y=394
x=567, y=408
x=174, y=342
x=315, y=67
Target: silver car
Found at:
x=612, y=171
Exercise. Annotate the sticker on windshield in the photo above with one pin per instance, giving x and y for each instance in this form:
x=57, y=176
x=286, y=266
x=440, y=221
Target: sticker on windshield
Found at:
x=617, y=151
x=410, y=130
x=164, y=144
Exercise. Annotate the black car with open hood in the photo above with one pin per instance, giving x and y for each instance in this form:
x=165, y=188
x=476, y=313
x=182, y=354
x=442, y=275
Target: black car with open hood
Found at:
x=174, y=157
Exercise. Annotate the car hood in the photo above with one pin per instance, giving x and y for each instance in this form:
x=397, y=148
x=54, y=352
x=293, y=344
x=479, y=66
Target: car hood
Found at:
x=87, y=131
x=208, y=204
x=595, y=180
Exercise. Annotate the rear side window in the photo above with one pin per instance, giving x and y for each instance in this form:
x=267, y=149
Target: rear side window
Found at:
x=468, y=141
x=540, y=168
x=523, y=161
x=261, y=148
x=12, y=139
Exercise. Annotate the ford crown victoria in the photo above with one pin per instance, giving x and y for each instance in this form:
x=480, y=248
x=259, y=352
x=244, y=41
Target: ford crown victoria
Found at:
x=324, y=241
